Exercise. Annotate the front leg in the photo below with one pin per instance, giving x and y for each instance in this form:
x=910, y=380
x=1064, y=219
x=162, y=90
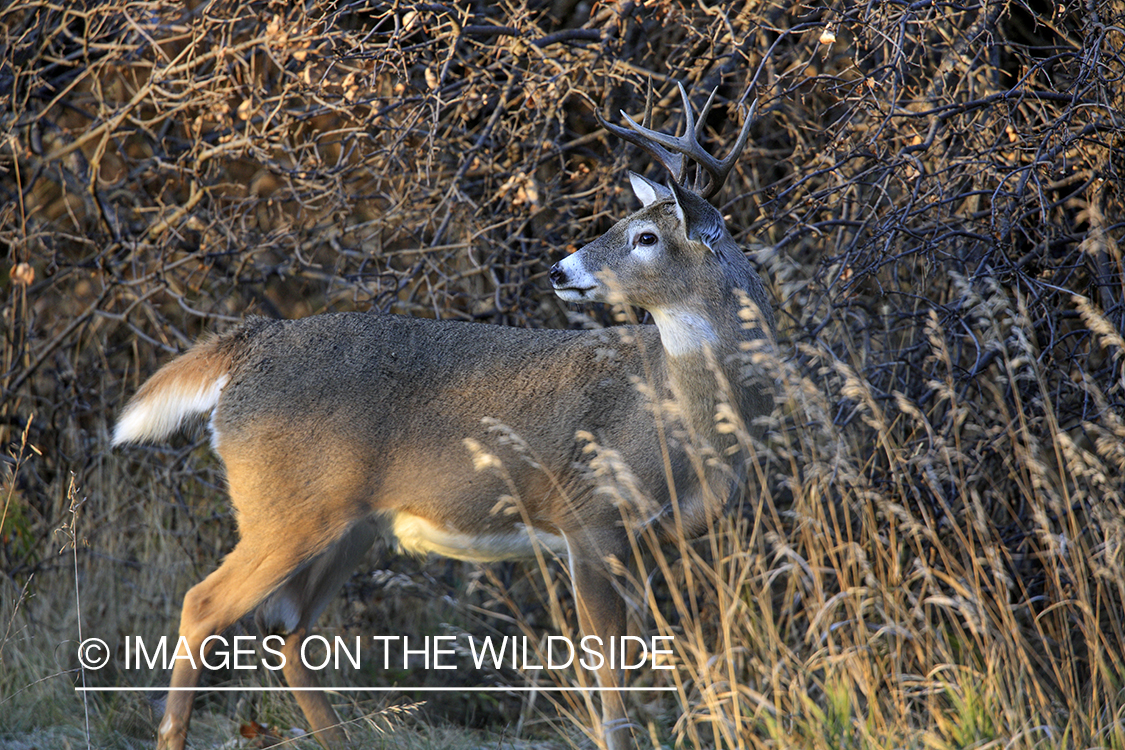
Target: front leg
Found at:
x=601, y=613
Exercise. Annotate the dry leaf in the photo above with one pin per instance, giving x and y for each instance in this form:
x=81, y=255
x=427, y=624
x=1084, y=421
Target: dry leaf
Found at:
x=22, y=274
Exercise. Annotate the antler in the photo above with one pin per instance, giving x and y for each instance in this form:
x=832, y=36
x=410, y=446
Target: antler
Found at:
x=671, y=150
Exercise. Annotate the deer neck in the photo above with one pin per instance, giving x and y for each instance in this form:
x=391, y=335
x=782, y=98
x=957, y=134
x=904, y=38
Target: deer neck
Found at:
x=704, y=364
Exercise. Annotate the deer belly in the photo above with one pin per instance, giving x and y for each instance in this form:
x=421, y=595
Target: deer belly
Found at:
x=417, y=535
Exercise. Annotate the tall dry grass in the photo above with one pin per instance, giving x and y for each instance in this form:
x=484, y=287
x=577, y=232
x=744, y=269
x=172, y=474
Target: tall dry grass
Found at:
x=929, y=548
x=941, y=574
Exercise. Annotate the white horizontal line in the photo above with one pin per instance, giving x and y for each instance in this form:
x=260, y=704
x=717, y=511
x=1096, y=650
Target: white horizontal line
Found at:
x=279, y=689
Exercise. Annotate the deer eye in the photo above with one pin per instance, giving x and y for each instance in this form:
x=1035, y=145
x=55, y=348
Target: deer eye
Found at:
x=646, y=238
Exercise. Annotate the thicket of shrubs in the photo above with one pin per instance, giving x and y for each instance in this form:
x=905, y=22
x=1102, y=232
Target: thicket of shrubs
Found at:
x=933, y=550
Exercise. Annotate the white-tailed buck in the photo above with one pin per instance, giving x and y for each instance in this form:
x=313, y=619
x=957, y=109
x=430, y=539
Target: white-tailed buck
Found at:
x=337, y=430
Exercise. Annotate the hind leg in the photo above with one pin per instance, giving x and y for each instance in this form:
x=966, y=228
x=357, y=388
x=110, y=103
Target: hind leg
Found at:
x=249, y=573
x=294, y=608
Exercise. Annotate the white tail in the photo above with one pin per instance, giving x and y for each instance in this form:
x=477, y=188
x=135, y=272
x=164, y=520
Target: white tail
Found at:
x=339, y=429
x=188, y=387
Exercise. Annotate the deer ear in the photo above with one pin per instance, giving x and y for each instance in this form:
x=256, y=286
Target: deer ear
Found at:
x=701, y=221
x=648, y=191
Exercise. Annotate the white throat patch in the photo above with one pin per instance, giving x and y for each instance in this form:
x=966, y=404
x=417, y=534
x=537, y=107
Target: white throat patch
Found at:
x=683, y=331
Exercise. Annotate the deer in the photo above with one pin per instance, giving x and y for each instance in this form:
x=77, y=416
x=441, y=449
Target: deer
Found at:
x=340, y=429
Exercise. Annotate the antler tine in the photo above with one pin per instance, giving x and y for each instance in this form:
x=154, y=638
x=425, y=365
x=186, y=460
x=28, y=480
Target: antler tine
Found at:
x=640, y=136
x=674, y=151
x=673, y=162
x=724, y=166
x=693, y=131
x=716, y=169
x=704, y=112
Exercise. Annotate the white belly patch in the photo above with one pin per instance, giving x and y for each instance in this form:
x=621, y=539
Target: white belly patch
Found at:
x=416, y=535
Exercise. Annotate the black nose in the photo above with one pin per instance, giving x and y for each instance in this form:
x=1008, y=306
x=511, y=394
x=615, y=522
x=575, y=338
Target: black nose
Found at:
x=558, y=276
